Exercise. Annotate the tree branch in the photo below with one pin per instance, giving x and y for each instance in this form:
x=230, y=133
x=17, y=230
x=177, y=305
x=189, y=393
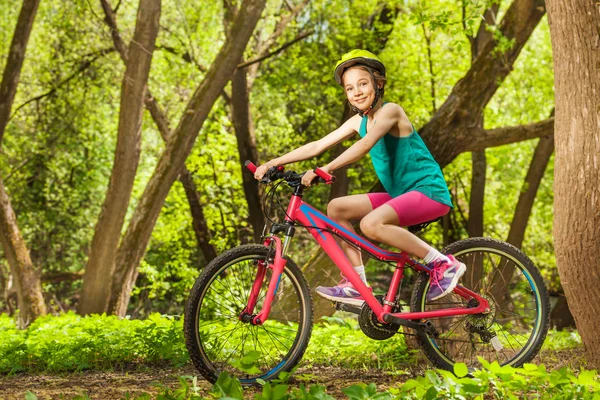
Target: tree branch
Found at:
x=84, y=65
x=279, y=50
x=185, y=56
x=512, y=134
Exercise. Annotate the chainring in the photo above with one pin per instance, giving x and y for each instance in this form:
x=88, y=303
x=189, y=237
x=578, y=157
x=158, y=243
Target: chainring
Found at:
x=371, y=327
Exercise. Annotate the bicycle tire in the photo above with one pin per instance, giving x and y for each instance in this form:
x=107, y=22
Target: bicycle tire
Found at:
x=215, y=302
x=506, y=297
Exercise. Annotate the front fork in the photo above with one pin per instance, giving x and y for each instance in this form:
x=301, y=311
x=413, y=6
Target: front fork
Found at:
x=277, y=266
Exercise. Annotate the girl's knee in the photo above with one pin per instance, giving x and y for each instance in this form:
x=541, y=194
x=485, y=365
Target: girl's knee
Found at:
x=370, y=227
x=336, y=208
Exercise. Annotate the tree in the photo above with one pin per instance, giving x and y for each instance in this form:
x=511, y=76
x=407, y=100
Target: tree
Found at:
x=241, y=87
x=96, y=288
x=29, y=288
x=178, y=147
x=574, y=34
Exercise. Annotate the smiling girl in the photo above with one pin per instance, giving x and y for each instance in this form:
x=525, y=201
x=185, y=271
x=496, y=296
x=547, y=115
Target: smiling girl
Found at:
x=416, y=191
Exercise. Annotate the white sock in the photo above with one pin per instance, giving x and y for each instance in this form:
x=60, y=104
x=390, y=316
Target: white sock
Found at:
x=434, y=255
x=360, y=270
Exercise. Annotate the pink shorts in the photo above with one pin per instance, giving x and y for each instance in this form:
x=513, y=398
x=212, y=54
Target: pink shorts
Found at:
x=412, y=208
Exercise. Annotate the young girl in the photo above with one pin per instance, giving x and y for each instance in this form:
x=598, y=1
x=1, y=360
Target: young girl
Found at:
x=416, y=191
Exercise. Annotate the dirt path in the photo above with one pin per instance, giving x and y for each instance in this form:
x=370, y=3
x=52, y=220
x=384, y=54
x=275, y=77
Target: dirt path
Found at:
x=119, y=384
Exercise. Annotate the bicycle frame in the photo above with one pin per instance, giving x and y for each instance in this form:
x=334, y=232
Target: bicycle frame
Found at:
x=319, y=226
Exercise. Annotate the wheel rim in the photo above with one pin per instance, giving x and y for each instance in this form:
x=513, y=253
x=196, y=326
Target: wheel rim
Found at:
x=504, y=335
x=244, y=350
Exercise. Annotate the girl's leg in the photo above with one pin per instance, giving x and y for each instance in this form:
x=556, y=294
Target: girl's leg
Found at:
x=412, y=208
x=384, y=223
x=343, y=210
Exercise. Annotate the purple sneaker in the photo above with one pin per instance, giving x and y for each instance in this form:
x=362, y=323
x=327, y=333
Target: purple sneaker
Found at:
x=444, y=277
x=344, y=292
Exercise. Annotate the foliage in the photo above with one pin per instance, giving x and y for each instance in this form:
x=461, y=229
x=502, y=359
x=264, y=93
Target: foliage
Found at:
x=71, y=343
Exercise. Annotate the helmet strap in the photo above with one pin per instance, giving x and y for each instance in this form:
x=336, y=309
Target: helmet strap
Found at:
x=362, y=113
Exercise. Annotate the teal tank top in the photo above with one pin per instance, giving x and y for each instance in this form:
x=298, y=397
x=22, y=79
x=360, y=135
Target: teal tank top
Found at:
x=404, y=164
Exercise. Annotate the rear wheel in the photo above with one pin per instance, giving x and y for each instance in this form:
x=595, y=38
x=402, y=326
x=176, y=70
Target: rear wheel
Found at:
x=512, y=332
x=219, y=340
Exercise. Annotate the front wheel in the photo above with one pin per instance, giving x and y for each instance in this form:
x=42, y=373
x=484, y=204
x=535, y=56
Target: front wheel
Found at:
x=219, y=339
x=514, y=330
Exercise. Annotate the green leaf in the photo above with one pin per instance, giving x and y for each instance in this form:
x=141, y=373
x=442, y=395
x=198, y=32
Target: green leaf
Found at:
x=30, y=396
x=530, y=367
x=355, y=392
x=461, y=370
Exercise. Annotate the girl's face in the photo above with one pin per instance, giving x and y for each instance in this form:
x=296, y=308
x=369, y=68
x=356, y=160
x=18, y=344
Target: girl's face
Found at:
x=358, y=86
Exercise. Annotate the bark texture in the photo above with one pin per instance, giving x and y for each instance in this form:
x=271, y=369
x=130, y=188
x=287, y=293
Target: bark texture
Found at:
x=535, y=173
x=178, y=147
x=478, y=159
x=26, y=279
x=14, y=62
x=201, y=231
x=576, y=48
x=246, y=144
x=476, y=201
x=96, y=288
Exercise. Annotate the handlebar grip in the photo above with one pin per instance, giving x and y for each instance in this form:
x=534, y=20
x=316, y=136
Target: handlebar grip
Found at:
x=328, y=178
x=250, y=165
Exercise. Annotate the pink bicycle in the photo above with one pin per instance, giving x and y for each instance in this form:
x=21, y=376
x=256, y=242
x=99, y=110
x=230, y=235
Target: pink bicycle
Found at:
x=250, y=311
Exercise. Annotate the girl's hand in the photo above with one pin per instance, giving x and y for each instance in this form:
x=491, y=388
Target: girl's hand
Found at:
x=308, y=177
x=261, y=171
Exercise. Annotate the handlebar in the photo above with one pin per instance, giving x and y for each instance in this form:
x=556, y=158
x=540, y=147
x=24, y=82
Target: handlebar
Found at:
x=275, y=173
x=250, y=165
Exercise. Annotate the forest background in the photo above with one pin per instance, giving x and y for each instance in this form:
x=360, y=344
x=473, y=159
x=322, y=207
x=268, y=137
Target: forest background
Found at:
x=59, y=144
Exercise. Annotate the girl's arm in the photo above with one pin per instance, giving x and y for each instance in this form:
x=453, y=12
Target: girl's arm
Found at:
x=315, y=148
x=312, y=149
x=387, y=118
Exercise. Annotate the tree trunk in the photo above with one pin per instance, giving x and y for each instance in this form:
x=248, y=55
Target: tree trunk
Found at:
x=201, y=230
x=27, y=280
x=95, y=292
x=574, y=33
x=14, y=62
x=561, y=317
x=241, y=86
x=538, y=165
x=246, y=144
x=135, y=241
x=476, y=202
x=479, y=162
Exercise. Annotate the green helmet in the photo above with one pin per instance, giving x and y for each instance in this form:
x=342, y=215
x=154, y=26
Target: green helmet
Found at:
x=358, y=56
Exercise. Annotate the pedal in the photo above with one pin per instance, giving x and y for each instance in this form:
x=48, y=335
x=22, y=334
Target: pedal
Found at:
x=347, y=308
